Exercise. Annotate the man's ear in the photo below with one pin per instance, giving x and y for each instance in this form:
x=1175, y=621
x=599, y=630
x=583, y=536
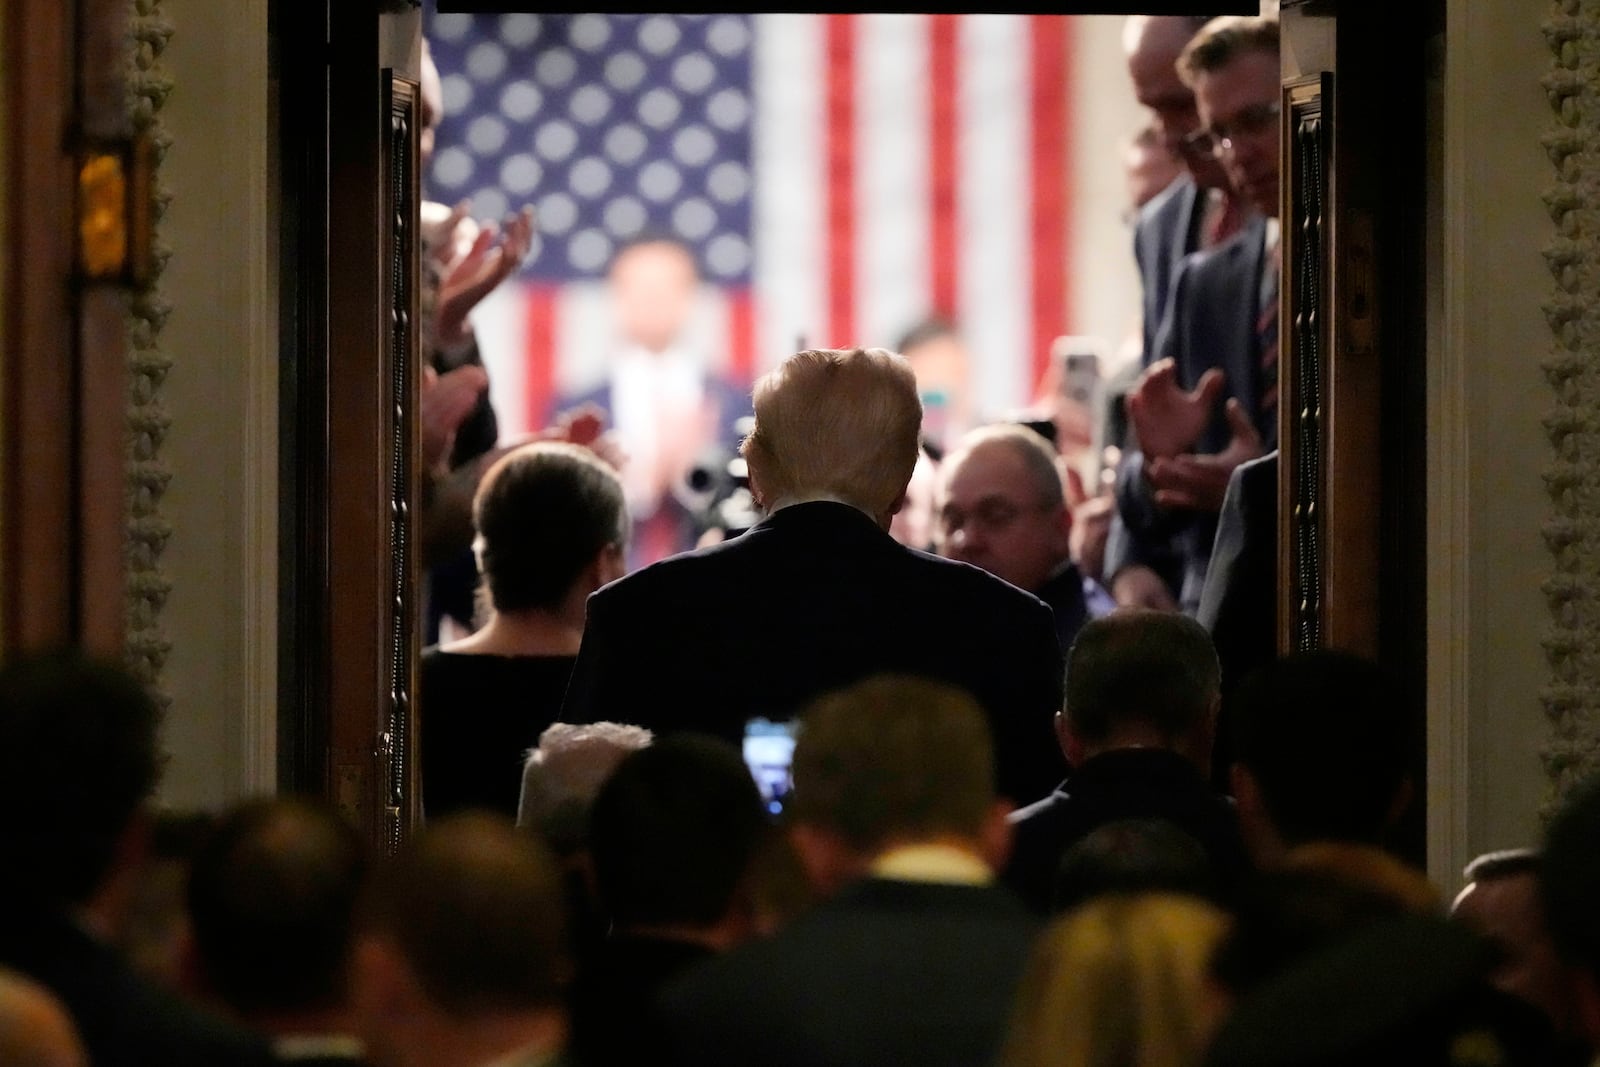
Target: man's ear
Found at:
x=1061, y=530
x=1071, y=744
x=828, y=860
x=108, y=909
x=609, y=564
x=997, y=834
x=383, y=988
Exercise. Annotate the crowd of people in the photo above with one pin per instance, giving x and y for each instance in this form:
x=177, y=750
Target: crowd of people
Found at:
x=646, y=905
x=1054, y=798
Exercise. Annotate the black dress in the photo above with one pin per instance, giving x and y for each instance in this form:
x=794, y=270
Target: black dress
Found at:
x=480, y=714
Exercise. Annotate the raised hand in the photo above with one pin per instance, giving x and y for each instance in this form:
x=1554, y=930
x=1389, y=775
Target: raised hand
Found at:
x=448, y=231
x=445, y=402
x=494, y=255
x=1199, y=482
x=1168, y=419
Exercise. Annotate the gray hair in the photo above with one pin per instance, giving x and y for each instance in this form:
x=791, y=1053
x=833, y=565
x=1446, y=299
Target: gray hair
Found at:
x=564, y=773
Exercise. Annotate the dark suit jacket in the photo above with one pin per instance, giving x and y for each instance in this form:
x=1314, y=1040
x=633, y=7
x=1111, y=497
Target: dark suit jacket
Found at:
x=122, y=1017
x=1063, y=591
x=815, y=597
x=1239, y=602
x=614, y=999
x=886, y=973
x=1211, y=322
x=1164, y=231
x=1138, y=783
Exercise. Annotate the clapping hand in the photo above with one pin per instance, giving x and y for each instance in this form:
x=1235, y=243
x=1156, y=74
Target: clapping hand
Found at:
x=495, y=254
x=444, y=404
x=1168, y=419
x=1200, y=482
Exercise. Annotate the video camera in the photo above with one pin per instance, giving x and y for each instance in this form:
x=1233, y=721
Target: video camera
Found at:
x=716, y=490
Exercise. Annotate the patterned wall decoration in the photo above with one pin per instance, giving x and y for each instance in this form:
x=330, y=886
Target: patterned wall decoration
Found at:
x=1572, y=699
x=147, y=645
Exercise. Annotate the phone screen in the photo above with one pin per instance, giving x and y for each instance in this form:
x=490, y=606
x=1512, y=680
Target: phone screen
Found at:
x=768, y=752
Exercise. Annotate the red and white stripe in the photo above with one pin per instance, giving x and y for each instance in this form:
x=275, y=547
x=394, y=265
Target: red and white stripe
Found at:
x=927, y=170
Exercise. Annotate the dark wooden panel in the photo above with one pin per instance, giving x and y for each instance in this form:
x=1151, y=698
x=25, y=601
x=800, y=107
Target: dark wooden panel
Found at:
x=38, y=508
x=1305, y=156
x=398, y=730
x=299, y=95
x=62, y=502
x=1354, y=568
x=352, y=576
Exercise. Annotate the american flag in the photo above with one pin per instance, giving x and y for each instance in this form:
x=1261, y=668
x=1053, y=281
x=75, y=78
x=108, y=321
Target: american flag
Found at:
x=839, y=176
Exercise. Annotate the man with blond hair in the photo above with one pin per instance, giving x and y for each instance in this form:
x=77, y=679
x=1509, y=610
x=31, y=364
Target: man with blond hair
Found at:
x=818, y=594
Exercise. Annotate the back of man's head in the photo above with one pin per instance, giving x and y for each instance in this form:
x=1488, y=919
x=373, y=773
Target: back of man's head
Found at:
x=1569, y=886
x=78, y=757
x=272, y=896
x=673, y=832
x=844, y=423
x=474, y=908
x=563, y=775
x=1322, y=738
x=894, y=759
x=1151, y=671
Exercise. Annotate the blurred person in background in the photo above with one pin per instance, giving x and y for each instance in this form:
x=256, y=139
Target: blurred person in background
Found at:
x=1000, y=505
x=1121, y=979
x=552, y=527
x=461, y=953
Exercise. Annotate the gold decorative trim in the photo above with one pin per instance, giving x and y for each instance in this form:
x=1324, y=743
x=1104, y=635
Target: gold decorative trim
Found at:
x=147, y=644
x=1572, y=699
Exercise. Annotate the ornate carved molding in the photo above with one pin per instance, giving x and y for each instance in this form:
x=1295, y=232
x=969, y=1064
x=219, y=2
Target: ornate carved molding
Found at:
x=1572, y=699
x=148, y=364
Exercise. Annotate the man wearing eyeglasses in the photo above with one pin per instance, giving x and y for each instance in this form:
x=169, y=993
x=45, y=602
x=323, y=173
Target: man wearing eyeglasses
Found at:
x=1197, y=212
x=1200, y=209
x=1000, y=506
x=1209, y=402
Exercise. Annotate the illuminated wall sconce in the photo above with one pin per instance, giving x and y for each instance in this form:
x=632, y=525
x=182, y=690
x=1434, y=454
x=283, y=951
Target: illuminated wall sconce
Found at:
x=114, y=206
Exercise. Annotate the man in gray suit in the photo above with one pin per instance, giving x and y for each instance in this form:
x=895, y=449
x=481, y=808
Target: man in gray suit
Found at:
x=1209, y=402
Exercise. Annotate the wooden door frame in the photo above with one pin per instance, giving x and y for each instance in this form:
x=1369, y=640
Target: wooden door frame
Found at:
x=63, y=374
x=348, y=461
